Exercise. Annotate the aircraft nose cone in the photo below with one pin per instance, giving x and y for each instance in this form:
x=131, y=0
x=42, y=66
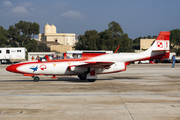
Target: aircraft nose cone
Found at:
x=11, y=68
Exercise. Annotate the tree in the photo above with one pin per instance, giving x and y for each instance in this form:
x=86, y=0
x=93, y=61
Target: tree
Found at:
x=31, y=45
x=88, y=41
x=3, y=37
x=116, y=37
x=175, y=41
x=125, y=43
x=115, y=29
x=20, y=35
x=148, y=37
x=154, y=36
x=14, y=36
x=34, y=29
x=105, y=40
x=42, y=47
x=26, y=30
x=136, y=43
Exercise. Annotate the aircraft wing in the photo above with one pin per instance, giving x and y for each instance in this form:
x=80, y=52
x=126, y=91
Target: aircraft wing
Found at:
x=96, y=64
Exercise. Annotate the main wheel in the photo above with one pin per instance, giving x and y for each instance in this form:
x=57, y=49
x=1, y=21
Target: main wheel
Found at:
x=82, y=77
x=91, y=80
x=36, y=79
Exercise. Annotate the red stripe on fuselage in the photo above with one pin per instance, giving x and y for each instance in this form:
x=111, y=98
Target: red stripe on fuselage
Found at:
x=85, y=56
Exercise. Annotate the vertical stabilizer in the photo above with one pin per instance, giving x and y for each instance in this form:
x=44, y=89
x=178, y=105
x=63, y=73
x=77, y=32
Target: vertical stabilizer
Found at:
x=162, y=42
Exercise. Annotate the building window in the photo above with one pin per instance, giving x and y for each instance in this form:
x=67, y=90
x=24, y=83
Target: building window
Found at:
x=67, y=41
x=7, y=51
x=0, y=51
x=55, y=40
x=18, y=50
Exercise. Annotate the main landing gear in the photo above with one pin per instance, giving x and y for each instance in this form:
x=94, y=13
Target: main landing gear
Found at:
x=90, y=75
x=84, y=77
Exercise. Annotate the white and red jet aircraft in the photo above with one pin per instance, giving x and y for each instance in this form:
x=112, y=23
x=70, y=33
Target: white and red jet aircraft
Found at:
x=88, y=65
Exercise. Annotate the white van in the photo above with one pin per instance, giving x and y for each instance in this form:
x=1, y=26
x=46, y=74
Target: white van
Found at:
x=12, y=55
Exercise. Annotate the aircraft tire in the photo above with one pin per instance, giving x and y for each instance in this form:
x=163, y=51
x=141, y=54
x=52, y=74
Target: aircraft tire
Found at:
x=91, y=80
x=36, y=79
x=82, y=77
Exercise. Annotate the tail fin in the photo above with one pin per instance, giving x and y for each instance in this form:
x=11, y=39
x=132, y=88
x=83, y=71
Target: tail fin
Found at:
x=162, y=42
x=160, y=48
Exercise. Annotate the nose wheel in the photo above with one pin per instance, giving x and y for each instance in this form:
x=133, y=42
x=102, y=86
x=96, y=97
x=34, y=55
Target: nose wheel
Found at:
x=36, y=79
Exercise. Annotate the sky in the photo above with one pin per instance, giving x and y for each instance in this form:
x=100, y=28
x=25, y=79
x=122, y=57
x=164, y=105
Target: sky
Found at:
x=136, y=17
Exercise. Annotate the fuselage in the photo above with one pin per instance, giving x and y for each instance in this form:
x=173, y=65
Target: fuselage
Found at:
x=60, y=66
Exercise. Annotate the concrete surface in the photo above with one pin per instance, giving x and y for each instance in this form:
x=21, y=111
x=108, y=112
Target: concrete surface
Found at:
x=142, y=92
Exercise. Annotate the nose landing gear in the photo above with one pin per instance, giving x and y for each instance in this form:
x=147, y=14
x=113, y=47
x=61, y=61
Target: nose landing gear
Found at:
x=36, y=78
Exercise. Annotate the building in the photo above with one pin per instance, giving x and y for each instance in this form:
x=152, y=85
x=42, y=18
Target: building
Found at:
x=60, y=42
x=146, y=43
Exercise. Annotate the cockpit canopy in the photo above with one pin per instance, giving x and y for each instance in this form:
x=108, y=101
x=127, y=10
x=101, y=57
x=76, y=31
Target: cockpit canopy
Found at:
x=59, y=56
x=73, y=55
